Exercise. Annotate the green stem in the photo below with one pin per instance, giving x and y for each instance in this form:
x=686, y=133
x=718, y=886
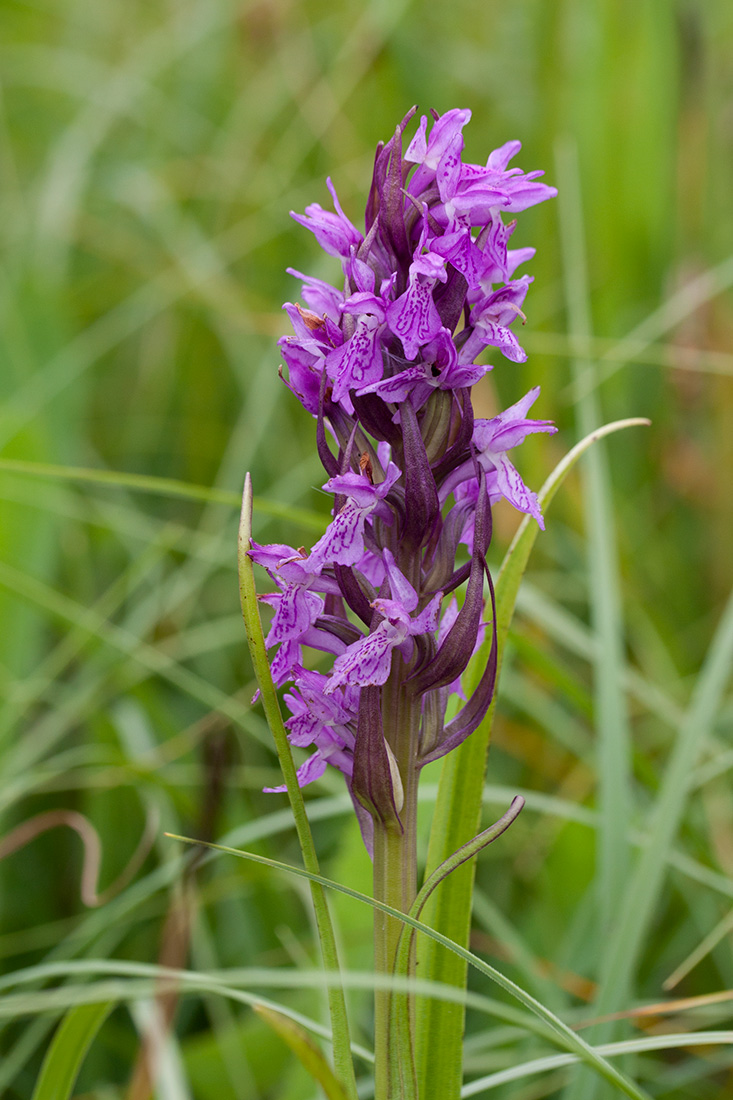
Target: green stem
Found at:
x=388, y=853
x=395, y=878
x=343, y=1063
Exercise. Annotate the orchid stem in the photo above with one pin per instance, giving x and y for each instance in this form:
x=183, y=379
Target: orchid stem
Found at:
x=395, y=879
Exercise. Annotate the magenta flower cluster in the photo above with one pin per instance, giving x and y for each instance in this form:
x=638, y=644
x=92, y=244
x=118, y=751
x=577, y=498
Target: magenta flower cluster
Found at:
x=385, y=363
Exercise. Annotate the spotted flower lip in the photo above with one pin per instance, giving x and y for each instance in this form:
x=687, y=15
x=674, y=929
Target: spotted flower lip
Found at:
x=358, y=361
x=384, y=360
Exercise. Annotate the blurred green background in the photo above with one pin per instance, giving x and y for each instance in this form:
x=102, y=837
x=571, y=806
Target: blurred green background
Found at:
x=150, y=155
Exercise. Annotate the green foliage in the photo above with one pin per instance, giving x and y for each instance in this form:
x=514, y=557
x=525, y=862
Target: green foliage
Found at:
x=151, y=152
x=561, y=1033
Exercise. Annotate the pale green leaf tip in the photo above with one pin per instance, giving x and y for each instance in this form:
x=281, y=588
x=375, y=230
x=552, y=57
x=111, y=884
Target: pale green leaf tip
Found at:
x=245, y=521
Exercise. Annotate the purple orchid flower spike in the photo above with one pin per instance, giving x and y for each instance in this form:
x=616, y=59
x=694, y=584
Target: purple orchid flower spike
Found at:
x=384, y=360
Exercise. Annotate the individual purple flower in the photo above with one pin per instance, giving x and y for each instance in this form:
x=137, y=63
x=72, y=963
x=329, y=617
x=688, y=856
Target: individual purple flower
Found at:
x=369, y=660
x=343, y=542
x=436, y=156
x=414, y=316
x=492, y=439
x=296, y=610
x=297, y=606
x=490, y=320
x=323, y=299
x=478, y=189
x=305, y=353
x=334, y=232
x=324, y=720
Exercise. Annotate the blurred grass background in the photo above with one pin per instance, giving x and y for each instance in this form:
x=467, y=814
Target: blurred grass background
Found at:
x=151, y=153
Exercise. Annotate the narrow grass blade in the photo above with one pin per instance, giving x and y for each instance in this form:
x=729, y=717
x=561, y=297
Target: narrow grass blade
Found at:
x=608, y=1050
x=67, y=1051
x=160, y=486
x=711, y=941
x=305, y=1050
x=250, y=611
x=562, y=1034
x=457, y=819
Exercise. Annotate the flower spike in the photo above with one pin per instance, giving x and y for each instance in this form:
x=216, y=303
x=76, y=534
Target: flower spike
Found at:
x=384, y=359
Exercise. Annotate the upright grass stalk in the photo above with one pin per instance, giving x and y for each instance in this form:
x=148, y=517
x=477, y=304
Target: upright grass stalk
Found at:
x=391, y=855
x=610, y=713
x=395, y=877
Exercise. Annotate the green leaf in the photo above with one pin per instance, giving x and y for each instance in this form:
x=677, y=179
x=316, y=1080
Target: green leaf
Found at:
x=457, y=819
x=67, y=1051
x=301, y=1044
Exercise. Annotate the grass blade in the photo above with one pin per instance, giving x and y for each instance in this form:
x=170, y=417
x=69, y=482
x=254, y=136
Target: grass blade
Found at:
x=611, y=716
x=67, y=1051
x=160, y=486
x=608, y=1050
x=305, y=1050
